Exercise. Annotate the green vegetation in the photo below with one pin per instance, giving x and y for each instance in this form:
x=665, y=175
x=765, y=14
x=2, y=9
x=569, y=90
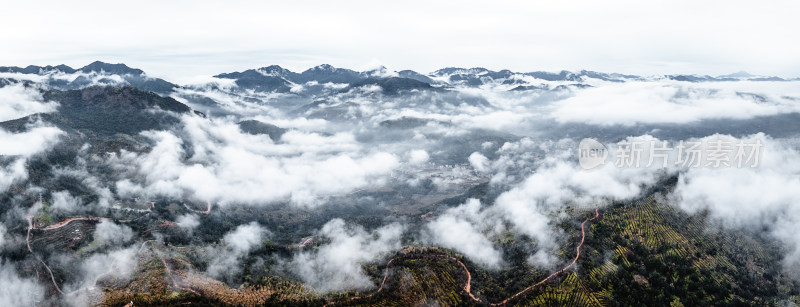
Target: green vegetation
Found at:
x=642, y=253
x=649, y=254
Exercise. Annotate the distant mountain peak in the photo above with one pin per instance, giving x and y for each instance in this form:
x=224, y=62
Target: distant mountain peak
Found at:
x=410, y=74
x=122, y=69
x=380, y=72
x=39, y=70
x=459, y=70
x=273, y=67
x=327, y=73
x=323, y=67
x=738, y=74
x=379, y=68
x=274, y=71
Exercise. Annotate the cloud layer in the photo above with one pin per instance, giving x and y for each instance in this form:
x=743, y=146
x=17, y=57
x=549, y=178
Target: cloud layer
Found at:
x=228, y=166
x=336, y=266
x=668, y=102
x=18, y=101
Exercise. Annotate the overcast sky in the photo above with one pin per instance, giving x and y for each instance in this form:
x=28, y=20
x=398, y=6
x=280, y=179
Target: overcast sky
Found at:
x=180, y=39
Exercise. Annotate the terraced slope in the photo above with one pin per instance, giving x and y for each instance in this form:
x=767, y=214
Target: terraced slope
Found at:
x=165, y=277
x=646, y=253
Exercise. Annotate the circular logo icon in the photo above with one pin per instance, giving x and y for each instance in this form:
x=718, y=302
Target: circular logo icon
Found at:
x=591, y=154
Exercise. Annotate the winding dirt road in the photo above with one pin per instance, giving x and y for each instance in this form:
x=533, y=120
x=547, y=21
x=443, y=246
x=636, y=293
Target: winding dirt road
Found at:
x=468, y=284
x=554, y=274
x=28, y=238
x=69, y=220
x=207, y=212
x=28, y=241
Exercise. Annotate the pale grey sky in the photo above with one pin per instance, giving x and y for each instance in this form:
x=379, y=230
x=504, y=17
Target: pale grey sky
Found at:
x=181, y=39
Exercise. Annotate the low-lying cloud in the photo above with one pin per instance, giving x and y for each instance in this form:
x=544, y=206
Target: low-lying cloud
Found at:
x=16, y=290
x=109, y=233
x=532, y=204
x=336, y=266
x=225, y=165
x=462, y=229
x=18, y=101
x=761, y=197
x=29, y=142
x=226, y=259
x=668, y=102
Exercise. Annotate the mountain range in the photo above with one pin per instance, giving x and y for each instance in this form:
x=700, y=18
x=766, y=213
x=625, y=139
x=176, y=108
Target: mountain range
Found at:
x=277, y=79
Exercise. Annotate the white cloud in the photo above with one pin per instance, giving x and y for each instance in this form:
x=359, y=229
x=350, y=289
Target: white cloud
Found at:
x=30, y=142
x=14, y=172
x=530, y=206
x=661, y=102
x=64, y=202
x=116, y=263
x=24, y=145
x=16, y=290
x=302, y=123
x=245, y=237
x=229, y=166
x=478, y=161
x=337, y=266
x=226, y=258
x=3, y=232
x=188, y=222
x=110, y=233
x=418, y=156
x=461, y=229
x=18, y=101
x=761, y=197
